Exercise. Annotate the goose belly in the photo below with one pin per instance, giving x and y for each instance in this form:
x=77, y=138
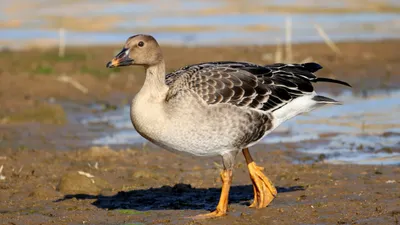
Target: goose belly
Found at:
x=214, y=130
x=196, y=139
x=191, y=126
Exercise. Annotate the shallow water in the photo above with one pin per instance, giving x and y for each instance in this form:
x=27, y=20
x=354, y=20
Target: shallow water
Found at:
x=364, y=130
x=191, y=22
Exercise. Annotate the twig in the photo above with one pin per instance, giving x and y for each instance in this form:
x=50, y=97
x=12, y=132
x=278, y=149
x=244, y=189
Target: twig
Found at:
x=74, y=83
x=327, y=40
x=278, y=52
x=288, y=48
x=61, y=44
x=217, y=165
x=96, y=165
x=20, y=169
x=88, y=175
x=1, y=176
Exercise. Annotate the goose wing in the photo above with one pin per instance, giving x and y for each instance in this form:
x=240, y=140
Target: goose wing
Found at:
x=265, y=88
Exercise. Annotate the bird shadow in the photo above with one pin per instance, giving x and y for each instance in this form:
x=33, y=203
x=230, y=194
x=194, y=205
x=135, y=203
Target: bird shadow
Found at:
x=178, y=197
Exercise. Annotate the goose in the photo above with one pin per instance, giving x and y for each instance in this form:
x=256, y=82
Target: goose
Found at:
x=218, y=108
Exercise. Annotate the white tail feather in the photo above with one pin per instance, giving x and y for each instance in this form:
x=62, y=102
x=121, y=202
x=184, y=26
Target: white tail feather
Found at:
x=298, y=106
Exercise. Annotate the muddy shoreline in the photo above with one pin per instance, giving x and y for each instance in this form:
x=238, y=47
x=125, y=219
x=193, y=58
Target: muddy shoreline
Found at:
x=157, y=187
x=43, y=148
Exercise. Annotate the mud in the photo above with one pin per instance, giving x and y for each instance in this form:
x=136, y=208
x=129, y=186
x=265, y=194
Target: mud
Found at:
x=143, y=184
x=157, y=187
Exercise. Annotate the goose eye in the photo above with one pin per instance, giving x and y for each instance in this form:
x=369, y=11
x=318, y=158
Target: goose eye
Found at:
x=141, y=44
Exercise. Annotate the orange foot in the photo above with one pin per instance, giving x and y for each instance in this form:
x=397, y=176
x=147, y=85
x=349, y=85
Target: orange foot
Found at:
x=264, y=190
x=214, y=214
x=222, y=207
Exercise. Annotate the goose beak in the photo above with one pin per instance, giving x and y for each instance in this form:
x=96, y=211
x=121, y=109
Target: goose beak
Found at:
x=121, y=59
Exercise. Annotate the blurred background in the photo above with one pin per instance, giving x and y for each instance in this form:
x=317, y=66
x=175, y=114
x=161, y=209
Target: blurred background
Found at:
x=53, y=56
x=219, y=22
x=65, y=126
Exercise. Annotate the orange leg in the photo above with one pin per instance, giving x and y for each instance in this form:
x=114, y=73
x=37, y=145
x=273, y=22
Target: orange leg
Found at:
x=222, y=207
x=264, y=190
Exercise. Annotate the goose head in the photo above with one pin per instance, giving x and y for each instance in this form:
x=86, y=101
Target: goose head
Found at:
x=138, y=50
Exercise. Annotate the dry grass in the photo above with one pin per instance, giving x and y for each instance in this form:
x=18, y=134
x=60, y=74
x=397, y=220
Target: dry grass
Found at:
x=327, y=40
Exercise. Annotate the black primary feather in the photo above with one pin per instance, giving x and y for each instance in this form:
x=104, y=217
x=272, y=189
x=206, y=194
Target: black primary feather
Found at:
x=323, y=99
x=323, y=79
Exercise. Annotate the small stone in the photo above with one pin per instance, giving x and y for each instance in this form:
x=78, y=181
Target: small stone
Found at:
x=74, y=183
x=44, y=193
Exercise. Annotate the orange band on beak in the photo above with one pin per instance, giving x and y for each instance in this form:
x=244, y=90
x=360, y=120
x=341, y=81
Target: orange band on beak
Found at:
x=121, y=59
x=115, y=62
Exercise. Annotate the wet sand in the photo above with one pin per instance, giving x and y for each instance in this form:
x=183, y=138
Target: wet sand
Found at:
x=157, y=187
x=147, y=185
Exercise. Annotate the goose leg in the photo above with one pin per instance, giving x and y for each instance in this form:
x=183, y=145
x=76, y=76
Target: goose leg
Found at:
x=226, y=178
x=264, y=190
